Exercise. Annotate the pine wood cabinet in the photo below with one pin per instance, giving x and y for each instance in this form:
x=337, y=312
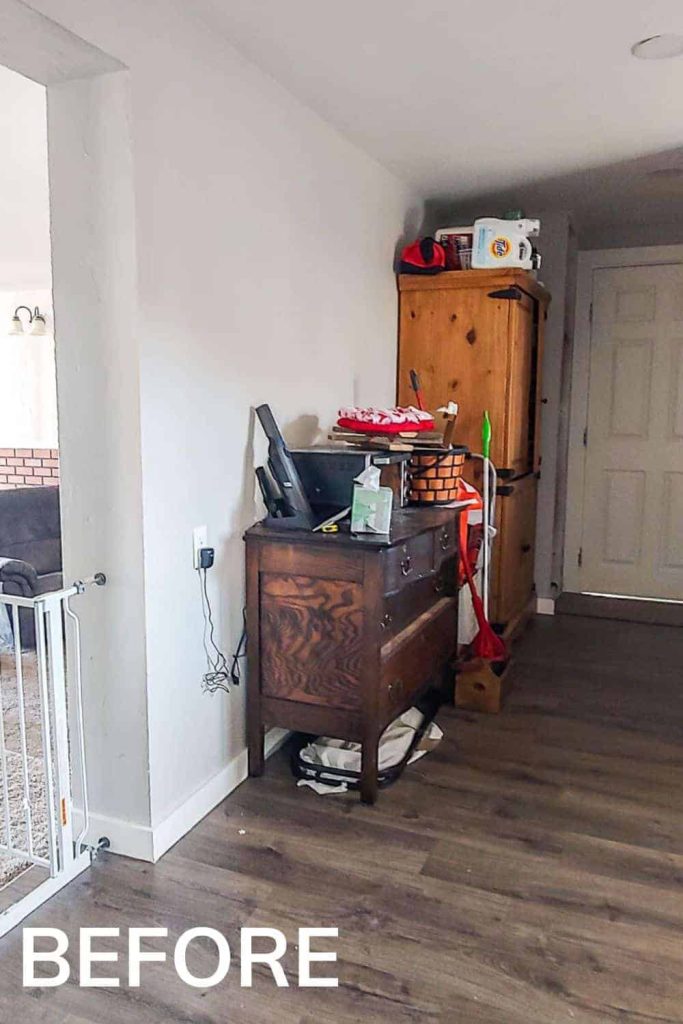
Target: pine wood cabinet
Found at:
x=476, y=337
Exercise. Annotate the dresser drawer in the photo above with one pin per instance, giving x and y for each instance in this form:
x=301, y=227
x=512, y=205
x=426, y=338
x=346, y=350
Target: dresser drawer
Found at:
x=404, y=606
x=408, y=562
x=445, y=540
x=415, y=655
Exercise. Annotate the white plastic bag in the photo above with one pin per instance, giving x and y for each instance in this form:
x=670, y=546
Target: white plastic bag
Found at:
x=344, y=755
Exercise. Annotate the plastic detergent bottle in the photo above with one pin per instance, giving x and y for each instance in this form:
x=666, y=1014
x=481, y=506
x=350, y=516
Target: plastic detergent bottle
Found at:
x=503, y=243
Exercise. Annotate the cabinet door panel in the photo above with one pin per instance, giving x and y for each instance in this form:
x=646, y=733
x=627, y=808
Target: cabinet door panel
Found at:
x=521, y=389
x=513, y=563
x=457, y=340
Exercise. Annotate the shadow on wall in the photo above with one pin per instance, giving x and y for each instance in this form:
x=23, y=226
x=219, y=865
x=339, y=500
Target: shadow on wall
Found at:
x=301, y=431
x=413, y=228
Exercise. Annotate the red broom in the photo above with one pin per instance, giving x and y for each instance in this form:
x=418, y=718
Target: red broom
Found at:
x=486, y=643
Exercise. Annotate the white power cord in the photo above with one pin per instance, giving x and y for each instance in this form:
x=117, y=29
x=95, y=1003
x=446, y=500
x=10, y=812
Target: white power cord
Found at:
x=217, y=675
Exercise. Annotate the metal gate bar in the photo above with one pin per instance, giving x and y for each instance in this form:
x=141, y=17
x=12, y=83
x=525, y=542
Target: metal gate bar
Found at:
x=19, y=669
x=66, y=856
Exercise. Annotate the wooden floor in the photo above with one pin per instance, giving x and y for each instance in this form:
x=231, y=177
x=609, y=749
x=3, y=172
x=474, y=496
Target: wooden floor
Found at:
x=528, y=872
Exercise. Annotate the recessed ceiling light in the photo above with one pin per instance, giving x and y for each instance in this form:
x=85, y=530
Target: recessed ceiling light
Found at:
x=658, y=47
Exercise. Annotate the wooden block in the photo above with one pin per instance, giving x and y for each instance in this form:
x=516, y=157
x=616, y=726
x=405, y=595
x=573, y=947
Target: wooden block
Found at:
x=478, y=688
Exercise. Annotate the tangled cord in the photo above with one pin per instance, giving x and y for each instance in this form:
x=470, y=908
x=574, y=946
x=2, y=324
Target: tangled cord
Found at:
x=218, y=676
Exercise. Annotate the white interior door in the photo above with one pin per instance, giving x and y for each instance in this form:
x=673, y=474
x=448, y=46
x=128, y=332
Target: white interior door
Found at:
x=632, y=519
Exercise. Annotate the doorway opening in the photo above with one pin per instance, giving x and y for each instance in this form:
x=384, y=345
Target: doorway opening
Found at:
x=96, y=508
x=30, y=524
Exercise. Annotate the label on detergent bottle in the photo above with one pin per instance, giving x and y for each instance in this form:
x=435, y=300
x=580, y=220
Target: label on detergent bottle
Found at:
x=500, y=247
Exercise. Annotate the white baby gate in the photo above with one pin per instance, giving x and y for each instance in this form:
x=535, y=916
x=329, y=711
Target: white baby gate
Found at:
x=59, y=708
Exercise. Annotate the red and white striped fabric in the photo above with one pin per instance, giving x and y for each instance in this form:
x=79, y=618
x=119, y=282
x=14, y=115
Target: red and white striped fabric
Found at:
x=385, y=421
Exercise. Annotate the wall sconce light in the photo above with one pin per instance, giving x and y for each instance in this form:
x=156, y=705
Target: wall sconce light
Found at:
x=36, y=321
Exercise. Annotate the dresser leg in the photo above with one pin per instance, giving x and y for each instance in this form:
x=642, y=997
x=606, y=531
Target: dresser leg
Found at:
x=447, y=687
x=255, y=751
x=368, y=770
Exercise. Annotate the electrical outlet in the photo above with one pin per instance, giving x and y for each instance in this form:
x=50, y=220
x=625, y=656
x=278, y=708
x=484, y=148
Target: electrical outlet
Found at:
x=199, y=540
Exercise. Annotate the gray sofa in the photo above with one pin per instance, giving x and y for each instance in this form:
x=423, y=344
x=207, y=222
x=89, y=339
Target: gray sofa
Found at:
x=30, y=547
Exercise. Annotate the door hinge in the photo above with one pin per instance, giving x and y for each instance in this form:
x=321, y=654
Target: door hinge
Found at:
x=579, y=558
x=590, y=314
x=507, y=293
x=585, y=437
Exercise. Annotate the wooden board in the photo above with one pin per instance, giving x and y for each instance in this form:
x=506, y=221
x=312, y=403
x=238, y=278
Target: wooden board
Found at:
x=478, y=687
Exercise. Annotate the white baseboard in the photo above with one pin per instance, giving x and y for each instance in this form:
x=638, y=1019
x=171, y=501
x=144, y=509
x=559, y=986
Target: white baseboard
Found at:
x=144, y=843
x=545, y=606
x=197, y=806
x=125, y=837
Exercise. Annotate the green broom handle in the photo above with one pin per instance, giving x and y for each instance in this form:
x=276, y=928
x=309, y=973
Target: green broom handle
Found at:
x=486, y=436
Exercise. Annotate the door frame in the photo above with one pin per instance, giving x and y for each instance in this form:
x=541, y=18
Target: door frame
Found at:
x=588, y=262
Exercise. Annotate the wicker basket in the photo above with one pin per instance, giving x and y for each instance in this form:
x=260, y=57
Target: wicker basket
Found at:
x=434, y=476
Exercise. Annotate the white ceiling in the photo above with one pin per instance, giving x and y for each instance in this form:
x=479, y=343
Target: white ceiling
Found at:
x=466, y=98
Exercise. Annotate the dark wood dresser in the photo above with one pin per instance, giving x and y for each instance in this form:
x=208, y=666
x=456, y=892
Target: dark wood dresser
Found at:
x=345, y=632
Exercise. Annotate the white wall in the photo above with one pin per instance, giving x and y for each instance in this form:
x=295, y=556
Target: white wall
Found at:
x=287, y=297
x=564, y=409
x=632, y=232
x=264, y=246
x=554, y=244
x=98, y=380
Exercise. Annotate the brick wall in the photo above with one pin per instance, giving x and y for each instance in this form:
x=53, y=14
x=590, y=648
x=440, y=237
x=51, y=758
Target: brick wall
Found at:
x=28, y=467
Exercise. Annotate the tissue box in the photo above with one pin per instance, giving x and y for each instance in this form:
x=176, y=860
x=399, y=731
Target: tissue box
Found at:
x=371, y=510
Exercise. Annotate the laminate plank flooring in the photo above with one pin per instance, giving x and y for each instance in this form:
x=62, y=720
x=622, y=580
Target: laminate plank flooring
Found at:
x=529, y=871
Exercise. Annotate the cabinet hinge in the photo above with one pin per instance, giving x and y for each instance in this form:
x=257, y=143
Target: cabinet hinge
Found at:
x=507, y=293
x=579, y=558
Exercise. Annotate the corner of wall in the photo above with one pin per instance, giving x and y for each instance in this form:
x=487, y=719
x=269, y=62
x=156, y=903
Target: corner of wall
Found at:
x=94, y=276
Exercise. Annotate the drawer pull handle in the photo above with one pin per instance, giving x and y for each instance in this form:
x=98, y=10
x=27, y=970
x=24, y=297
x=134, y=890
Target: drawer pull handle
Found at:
x=406, y=567
x=526, y=548
x=386, y=620
x=445, y=538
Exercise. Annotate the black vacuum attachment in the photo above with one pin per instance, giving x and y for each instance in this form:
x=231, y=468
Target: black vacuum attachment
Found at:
x=281, y=487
